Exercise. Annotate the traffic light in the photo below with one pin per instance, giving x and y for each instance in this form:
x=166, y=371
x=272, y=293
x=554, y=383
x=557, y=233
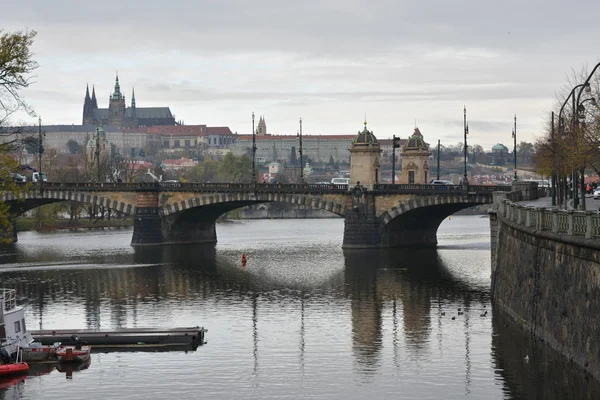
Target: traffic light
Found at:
x=396, y=142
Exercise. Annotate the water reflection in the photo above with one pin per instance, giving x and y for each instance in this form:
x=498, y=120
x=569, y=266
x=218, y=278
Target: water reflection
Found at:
x=398, y=305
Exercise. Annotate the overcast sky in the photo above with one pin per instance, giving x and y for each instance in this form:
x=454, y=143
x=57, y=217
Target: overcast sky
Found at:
x=328, y=61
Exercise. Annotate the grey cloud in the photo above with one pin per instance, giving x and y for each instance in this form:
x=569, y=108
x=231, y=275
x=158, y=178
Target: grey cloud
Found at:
x=328, y=58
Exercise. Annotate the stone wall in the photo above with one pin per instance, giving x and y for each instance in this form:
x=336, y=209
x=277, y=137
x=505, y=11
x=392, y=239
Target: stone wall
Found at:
x=546, y=276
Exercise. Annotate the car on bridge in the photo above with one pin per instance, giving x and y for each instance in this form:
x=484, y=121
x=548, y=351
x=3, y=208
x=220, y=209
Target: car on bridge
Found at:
x=597, y=193
x=441, y=182
x=340, y=181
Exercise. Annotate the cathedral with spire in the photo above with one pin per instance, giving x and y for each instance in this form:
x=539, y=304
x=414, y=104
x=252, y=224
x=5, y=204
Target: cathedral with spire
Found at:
x=119, y=115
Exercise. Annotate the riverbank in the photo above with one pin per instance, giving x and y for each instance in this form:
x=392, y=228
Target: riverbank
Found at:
x=29, y=224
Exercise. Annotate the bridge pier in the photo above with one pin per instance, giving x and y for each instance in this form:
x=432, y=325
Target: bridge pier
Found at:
x=362, y=227
x=147, y=223
x=150, y=228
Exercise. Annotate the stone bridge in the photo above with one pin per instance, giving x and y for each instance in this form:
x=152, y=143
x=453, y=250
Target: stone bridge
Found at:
x=175, y=213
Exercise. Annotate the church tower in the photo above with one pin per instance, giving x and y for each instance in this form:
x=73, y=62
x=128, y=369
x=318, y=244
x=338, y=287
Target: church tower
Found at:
x=262, y=127
x=94, y=101
x=116, y=106
x=415, y=160
x=132, y=120
x=87, y=107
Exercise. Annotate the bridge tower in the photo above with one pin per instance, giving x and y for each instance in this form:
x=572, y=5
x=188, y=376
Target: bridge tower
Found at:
x=415, y=160
x=361, y=223
x=365, y=159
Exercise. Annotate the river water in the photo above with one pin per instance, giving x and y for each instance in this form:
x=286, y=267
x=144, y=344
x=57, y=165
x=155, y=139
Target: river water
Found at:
x=303, y=319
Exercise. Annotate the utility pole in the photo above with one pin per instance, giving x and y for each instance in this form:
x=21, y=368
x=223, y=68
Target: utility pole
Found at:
x=514, y=135
x=395, y=145
x=98, y=152
x=438, y=161
x=40, y=148
x=553, y=145
x=466, y=132
x=301, y=165
x=253, y=151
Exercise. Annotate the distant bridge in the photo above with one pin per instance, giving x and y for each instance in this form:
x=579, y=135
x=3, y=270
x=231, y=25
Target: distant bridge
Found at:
x=175, y=213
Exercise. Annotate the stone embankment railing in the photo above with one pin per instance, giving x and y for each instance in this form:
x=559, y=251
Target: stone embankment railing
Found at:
x=584, y=224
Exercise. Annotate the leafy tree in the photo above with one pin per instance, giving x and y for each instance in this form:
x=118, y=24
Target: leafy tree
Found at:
x=331, y=161
x=16, y=65
x=525, y=153
x=235, y=168
x=73, y=146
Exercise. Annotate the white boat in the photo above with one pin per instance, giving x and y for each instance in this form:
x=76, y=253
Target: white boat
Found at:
x=14, y=336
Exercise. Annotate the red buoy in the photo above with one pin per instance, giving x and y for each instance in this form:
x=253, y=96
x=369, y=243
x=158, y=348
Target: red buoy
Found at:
x=243, y=257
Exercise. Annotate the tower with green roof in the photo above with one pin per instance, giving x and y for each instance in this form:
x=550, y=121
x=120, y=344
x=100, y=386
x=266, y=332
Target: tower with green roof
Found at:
x=415, y=160
x=365, y=159
x=116, y=105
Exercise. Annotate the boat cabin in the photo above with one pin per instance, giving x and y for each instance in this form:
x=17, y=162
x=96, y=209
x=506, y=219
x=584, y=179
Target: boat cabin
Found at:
x=13, y=332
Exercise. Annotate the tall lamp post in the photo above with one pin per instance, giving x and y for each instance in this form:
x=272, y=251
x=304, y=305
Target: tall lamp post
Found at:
x=466, y=132
x=553, y=147
x=98, y=153
x=395, y=145
x=514, y=135
x=300, y=151
x=577, y=105
x=438, y=160
x=40, y=149
x=253, y=151
x=561, y=127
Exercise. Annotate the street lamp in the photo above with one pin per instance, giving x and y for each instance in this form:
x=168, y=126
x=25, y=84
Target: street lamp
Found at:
x=588, y=89
x=395, y=145
x=40, y=148
x=438, y=161
x=466, y=132
x=301, y=165
x=514, y=135
x=98, y=152
x=561, y=128
x=253, y=151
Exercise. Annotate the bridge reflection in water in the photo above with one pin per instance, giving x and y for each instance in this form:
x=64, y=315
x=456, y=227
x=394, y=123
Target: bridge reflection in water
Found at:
x=395, y=298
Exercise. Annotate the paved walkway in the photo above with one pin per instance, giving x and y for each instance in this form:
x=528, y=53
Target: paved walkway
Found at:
x=590, y=203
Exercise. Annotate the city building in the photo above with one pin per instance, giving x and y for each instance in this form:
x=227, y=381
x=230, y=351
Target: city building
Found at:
x=279, y=148
x=121, y=116
x=415, y=160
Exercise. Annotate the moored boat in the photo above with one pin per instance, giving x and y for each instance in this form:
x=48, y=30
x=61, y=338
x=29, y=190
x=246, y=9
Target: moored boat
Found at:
x=14, y=336
x=13, y=369
x=68, y=353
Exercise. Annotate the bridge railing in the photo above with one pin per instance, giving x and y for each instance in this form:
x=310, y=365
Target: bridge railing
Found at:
x=266, y=187
x=438, y=189
x=585, y=224
x=192, y=187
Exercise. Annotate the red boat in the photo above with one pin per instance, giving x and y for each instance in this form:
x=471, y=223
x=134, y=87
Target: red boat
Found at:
x=73, y=353
x=12, y=369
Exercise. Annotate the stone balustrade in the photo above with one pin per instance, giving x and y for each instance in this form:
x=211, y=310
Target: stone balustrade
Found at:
x=585, y=224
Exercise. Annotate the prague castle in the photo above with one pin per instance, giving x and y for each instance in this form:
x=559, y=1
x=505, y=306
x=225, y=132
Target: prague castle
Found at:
x=119, y=115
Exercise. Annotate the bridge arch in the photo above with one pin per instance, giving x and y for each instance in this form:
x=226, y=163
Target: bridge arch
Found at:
x=232, y=201
x=193, y=220
x=29, y=200
x=415, y=222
